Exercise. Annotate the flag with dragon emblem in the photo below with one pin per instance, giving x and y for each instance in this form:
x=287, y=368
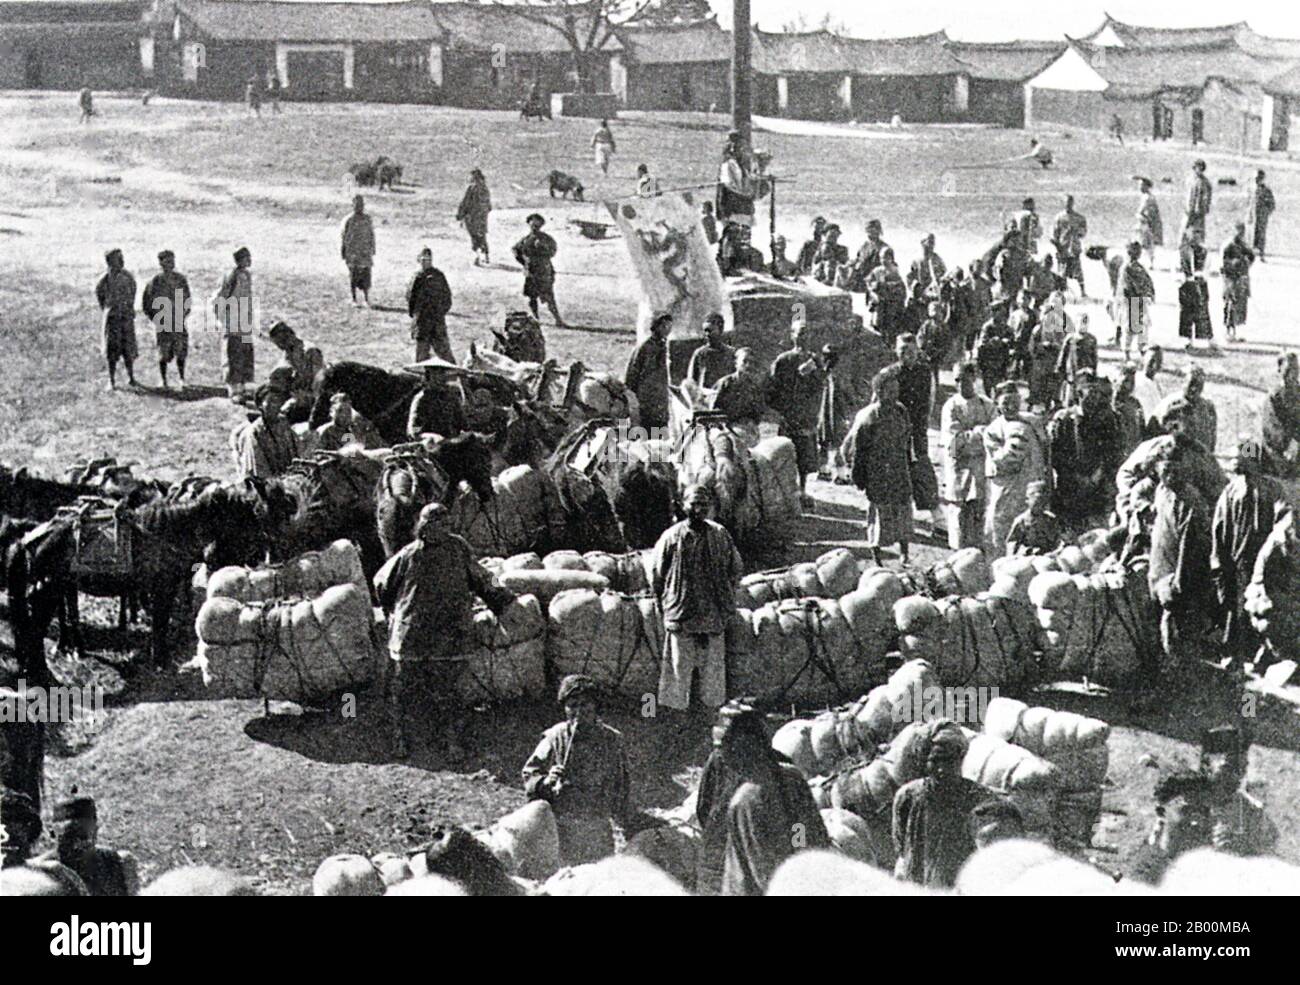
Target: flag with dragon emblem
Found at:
x=673, y=260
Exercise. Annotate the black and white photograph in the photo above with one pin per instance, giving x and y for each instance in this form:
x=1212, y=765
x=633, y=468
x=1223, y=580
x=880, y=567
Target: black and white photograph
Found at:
x=651, y=448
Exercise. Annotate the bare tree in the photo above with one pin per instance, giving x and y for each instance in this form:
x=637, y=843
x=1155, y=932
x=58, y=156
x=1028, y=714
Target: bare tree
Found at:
x=586, y=25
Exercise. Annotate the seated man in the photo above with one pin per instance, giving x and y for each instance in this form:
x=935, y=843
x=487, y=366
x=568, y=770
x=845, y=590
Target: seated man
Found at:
x=346, y=427
x=104, y=871
x=265, y=447
x=736, y=255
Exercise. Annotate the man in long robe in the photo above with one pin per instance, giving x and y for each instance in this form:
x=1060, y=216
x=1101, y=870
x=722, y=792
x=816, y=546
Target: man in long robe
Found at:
x=580, y=768
x=1135, y=295
x=427, y=590
x=237, y=317
x=115, y=293
x=695, y=571
x=1179, y=576
x=472, y=213
x=535, y=253
x=166, y=302
x=931, y=819
x=965, y=485
x=928, y=270
x=794, y=390
x=870, y=255
x=1237, y=258
x=916, y=392
x=1260, y=205
x=358, y=237
x=878, y=452
x=1068, y=230
x=1016, y=455
x=1249, y=508
x=771, y=815
x=1086, y=451
x=647, y=373
x=1199, y=197
x=428, y=300
x=1148, y=226
x=887, y=297
x=267, y=446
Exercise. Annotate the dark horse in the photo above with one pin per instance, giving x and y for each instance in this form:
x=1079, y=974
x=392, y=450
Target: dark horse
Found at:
x=640, y=496
x=224, y=524
x=33, y=498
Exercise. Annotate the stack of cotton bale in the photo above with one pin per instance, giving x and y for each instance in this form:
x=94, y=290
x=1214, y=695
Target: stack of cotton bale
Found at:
x=304, y=650
x=616, y=639
x=821, y=744
x=807, y=651
x=833, y=574
x=627, y=573
x=305, y=576
x=524, y=510
x=867, y=789
x=1074, y=744
x=507, y=655
x=982, y=640
x=964, y=572
x=1094, y=625
x=773, y=496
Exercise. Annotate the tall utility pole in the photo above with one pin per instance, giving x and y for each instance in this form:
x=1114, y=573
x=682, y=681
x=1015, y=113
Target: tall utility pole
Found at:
x=741, y=77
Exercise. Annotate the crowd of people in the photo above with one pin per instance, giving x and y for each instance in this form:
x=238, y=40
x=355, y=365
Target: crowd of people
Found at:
x=1036, y=443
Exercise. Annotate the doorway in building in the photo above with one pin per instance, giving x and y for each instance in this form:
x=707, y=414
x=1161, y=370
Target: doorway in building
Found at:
x=1198, y=126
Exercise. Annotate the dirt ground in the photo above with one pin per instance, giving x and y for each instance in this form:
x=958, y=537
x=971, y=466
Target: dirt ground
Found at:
x=184, y=774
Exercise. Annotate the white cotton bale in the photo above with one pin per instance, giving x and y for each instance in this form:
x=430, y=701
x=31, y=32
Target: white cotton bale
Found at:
x=626, y=573
x=426, y=885
x=1044, y=562
x=346, y=875
x=1019, y=867
x=849, y=834
x=617, y=639
x=832, y=874
x=218, y=621
x=1206, y=872
x=229, y=582
x=549, y=582
x=824, y=738
x=971, y=570
x=619, y=875
x=1053, y=590
x=1000, y=765
x=527, y=841
x=1073, y=560
x=527, y=561
x=915, y=614
x=882, y=586
x=838, y=571
x=509, y=661
x=392, y=868
x=1002, y=717
x=793, y=740
x=564, y=561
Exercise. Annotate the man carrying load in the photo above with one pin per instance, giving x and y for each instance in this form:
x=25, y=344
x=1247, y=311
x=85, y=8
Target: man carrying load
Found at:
x=427, y=589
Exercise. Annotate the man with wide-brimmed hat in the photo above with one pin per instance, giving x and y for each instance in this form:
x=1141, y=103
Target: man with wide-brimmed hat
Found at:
x=428, y=300
x=105, y=871
x=166, y=302
x=427, y=589
x=115, y=293
x=439, y=408
x=754, y=806
x=535, y=253
x=580, y=768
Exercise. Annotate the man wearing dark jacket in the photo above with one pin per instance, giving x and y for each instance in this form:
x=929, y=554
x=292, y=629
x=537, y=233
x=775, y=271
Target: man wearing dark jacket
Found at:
x=647, y=374
x=428, y=300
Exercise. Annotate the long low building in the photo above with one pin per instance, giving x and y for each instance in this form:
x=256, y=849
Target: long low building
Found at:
x=71, y=44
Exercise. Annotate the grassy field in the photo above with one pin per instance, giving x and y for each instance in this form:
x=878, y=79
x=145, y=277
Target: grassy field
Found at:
x=185, y=774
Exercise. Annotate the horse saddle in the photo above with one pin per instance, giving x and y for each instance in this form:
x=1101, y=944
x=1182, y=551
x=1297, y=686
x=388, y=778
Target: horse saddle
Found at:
x=103, y=539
